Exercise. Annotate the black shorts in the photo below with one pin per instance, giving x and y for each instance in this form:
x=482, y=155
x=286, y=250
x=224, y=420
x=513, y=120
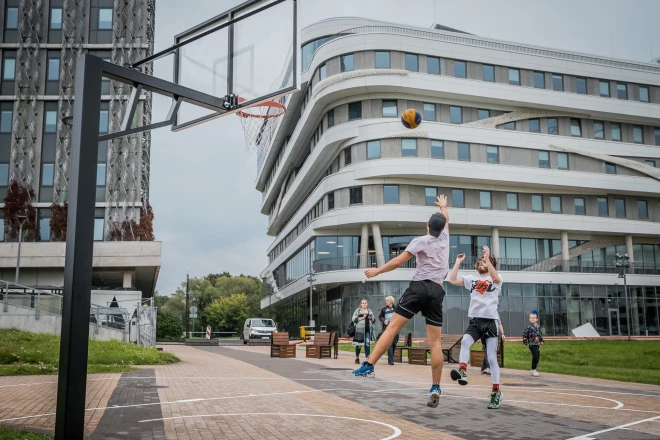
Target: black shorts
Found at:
x=482, y=327
x=422, y=296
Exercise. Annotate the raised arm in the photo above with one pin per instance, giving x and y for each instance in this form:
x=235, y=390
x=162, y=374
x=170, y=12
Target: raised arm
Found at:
x=491, y=270
x=390, y=265
x=453, y=277
x=441, y=202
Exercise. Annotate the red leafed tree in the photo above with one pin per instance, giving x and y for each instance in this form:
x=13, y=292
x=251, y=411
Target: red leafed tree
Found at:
x=18, y=201
x=58, y=221
x=132, y=231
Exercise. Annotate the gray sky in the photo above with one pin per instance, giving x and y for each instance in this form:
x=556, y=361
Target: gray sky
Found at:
x=202, y=179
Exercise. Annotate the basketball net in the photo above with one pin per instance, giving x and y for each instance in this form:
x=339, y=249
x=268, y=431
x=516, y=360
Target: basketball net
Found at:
x=259, y=123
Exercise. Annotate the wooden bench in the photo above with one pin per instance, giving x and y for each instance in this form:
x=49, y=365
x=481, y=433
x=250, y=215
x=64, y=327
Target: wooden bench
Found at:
x=335, y=343
x=449, y=343
x=322, y=346
x=477, y=356
x=418, y=355
x=398, y=350
x=280, y=347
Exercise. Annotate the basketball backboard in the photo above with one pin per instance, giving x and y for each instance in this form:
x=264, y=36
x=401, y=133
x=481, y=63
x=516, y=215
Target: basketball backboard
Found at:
x=249, y=54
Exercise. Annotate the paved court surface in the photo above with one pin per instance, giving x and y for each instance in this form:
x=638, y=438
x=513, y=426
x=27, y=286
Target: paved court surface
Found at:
x=241, y=393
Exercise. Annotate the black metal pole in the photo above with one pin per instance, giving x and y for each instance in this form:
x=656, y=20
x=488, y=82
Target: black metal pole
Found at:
x=72, y=379
x=187, y=311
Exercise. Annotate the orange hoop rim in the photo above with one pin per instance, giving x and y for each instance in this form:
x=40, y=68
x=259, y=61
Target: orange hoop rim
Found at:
x=273, y=104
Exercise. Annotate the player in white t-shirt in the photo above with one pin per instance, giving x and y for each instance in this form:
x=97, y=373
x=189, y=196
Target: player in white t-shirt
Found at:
x=484, y=318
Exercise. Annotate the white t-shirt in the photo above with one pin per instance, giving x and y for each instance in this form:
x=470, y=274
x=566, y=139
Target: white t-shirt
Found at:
x=432, y=257
x=484, y=296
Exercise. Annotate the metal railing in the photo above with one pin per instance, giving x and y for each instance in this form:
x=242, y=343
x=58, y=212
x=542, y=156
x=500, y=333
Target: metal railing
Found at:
x=30, y=298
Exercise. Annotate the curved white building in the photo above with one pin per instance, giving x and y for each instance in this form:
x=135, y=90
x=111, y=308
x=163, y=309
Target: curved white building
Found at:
x=549, y=157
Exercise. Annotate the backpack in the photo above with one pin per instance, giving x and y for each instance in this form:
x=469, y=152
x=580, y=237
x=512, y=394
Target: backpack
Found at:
x=351, y=329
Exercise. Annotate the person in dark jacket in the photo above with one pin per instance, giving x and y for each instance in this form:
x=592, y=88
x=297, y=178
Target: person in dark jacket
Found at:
x=533, y=338
x=385, y=317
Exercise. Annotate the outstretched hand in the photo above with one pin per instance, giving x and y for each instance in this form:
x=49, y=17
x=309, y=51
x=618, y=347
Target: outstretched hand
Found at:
x=460, y=258
x=486, y=251
x=370, y=273
x=441, y=201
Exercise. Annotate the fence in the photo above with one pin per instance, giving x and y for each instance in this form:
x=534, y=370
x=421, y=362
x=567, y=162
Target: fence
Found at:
x=29, y=298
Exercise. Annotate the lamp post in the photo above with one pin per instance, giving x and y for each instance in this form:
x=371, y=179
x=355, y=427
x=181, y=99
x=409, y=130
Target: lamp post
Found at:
x=311, y=280
x=21, y=218
x=186, y=312
x=623, y=263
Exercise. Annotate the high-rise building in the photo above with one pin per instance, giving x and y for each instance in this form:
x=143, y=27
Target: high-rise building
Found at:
x=549, y=157
x=39, y=43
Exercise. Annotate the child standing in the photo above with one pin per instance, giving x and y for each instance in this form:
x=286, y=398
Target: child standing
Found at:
x=533, y=338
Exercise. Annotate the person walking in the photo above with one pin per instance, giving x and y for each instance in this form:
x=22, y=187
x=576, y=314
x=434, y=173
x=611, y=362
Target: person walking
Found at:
x=385, y=317
x=363, y=319
x=533, y=338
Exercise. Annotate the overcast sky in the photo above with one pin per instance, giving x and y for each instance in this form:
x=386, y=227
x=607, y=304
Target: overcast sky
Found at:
x=202, y=179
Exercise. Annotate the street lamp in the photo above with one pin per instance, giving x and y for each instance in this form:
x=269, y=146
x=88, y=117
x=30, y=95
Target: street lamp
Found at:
x=623, y=263
x=21, y=218
x=311, y=280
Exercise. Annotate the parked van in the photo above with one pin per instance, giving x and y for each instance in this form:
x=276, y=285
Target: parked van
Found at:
x=258, y=328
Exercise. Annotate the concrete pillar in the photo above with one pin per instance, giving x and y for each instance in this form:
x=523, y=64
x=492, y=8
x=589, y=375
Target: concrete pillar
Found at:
x=128, y=280
x=494, y=242
x=629, y=249
x=364, y=246
x=378, y=244
x=565, y=255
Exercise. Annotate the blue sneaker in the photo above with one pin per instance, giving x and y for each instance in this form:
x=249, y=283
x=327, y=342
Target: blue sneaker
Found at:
x=434, y=396
x=365, y=370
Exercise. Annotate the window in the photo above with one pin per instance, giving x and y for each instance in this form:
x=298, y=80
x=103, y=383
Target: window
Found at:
x=356, y=195
x=553, y=126
x=539, y=80
x=493, y=154
x=562, y=161
x=390, y=193
x=558, y=83
x=9, y=68
x=455, y=114
x=105, y=18
x=489, y=73
x=437, y=150
x=544, y=159
x=463, y=152
x=430, y=196
x=604, y=87
x=599, y=130
x=354, y=111
x=331, y=201
x=100, y=174
x=458, y=198
x=621, y=91
x=657, y=136
x=643, y=94
x=408, y=147
x=485, y=200
x=389, y=109
x=44, y=224
x=555, y=204
x=101, y=21
x=581, y=85
x=620, y=207
x=638, y=134
x=331, y=118
x=460, y=69
x=650, y=163
x=512, y=201
x=5, y=120
x=610, y=168
x=576, y=129
x=483, y=114
x=382, y=60
x=537, y=203
x=603, y=208
x=47, y=177
x=323, y=72
x=373, y=150
x=309, y=49
x=510, y=125
x=347, y=156
x=99, y=224
x=433, y=65
x=56, y=19
x=579, y=206
x=616, y=131
x=514, y=77
x=53, y=73
x=642, y=209
x=429, y=112
x=6, y=115
x=412, y=62
x=103, y=121
x=347, y=63
x=49, y=145
x=535, y=125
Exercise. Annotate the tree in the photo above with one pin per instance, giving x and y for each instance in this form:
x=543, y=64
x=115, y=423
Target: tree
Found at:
x=176, y=304
x=229, y=313
x=168, y=327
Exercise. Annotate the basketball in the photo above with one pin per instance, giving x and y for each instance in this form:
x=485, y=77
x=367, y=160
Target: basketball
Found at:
x=411, y=118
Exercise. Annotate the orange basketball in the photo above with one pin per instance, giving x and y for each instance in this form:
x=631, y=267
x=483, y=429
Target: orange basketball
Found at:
x=411, y=118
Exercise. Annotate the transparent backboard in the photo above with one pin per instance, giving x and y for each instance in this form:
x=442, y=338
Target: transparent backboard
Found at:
x=251, y=51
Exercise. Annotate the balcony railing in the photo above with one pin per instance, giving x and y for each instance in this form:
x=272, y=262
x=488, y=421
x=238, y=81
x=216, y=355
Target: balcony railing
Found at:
x=503, y=264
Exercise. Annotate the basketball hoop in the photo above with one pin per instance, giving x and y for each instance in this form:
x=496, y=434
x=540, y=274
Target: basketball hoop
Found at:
x=259, y=123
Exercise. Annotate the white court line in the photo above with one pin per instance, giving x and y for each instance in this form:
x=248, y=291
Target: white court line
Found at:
x=27, y=417
x=397, y=431
x=591, y=434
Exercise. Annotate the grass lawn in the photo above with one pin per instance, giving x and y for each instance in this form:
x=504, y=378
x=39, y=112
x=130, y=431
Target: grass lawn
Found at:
x=24, y=353
x=15, y=434
x=629, y=361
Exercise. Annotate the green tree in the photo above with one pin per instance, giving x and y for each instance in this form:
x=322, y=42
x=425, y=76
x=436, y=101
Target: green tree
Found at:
x=168, y=327
x=176, y=304
x=229, y=313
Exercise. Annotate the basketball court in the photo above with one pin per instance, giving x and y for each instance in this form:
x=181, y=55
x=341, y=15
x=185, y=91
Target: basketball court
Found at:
x=241, y=392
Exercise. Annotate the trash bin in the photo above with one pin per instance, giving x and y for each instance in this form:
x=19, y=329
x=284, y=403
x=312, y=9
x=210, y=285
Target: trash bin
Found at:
x=306, y=332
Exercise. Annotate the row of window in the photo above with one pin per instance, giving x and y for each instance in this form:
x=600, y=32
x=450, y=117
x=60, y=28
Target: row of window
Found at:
x=101, y=21
x=43, y=225
x=411, y=62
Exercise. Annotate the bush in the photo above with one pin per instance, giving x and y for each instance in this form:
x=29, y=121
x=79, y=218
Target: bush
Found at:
x=168, y=327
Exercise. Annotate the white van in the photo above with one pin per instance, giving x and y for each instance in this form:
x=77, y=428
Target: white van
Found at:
x=258, y=328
